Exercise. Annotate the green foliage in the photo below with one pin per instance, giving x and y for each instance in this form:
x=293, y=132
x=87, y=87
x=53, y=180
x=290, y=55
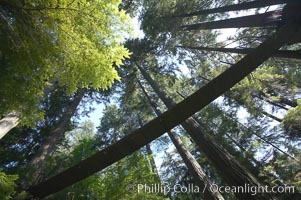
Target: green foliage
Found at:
x=292, y=121
x=288, y=169
x=7, y=185
x=255, y=85
x=112, y=124
x=75, y=43
x=21, y=143
x=111, y=183
x=132, y=170
x=78, y=44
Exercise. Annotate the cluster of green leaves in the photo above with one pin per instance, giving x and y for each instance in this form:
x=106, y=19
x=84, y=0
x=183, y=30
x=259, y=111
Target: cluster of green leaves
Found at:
x=75, y=43
x=7, y=185
x=292, y=121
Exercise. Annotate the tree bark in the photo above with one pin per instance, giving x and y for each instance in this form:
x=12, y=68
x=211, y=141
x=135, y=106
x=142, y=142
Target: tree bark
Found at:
x=235, y=7
x=8, y=122
x=169, y=119
x=258, y=20
x=231, y=170
x=194, y=168
x=52, y=140
x=280, y=53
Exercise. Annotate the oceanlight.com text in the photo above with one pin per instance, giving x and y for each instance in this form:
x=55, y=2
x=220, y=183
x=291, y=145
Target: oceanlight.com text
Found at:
x=165, y=188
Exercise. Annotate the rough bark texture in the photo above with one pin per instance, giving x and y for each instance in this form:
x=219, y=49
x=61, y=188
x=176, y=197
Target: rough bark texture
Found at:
x=8, y=122
x=51, y=141
x=194, y=168
x=170, y=118
x=231, y=171
x=236, y=7
x=258, y=20
x=280, y=53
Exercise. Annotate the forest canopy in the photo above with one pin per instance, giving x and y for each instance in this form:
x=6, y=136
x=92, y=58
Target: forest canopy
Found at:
x=76, y=44
x=207, y=98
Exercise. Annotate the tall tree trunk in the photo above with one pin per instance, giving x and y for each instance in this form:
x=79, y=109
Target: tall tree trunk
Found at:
x=8, y=122
x=264, y=97
x=258, y=20
x=245, y=128
x=149, y=152
x=194, y=168
x=280, y=53
x=50, y=144
x=235, y=7
x=272, y=116
x=151, y=159
x=279, y=103
x=288, y=101
x=169, y=119
x=231, y=171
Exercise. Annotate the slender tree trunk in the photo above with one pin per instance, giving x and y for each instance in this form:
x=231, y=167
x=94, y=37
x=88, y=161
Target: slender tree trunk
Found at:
x=231, y=171
x=242, y=149
x=169, y=119
x=235, y=7
x=149, y=152
x=237, y=143
x=194, y=168
x=262, y=112
x=258, y=20
x=280, y=53
x=196, y=171
x=288, y=101
x=271, y=102
x=8, y=122
x=51, y=141
x=257, y=135
x=151, y=159
x=279, y=103
x=272, y=116
x=282, y=100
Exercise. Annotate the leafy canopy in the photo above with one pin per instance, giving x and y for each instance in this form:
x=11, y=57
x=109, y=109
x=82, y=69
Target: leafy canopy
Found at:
x=75, y=43
x=7, y=185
